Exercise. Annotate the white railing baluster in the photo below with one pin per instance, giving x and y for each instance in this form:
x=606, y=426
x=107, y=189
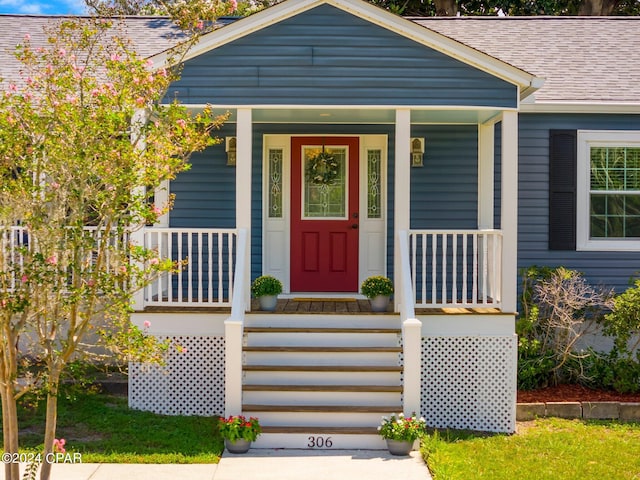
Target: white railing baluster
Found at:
x=424, y=267
x=454, y=269
x=220, y=271
x=199, y=267
x=465, y=292
x=231, y=276
x=209, y=267
x=485, y=266
x=196, y=284
x=434, y=269
x=474, y=257
x=444, y=267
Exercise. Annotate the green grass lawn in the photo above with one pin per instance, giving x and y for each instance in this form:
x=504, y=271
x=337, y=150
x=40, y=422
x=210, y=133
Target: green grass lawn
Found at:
x=103, y=429
x=547, y=449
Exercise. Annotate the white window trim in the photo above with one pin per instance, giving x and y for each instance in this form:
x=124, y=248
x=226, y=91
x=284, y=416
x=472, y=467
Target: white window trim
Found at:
x=586, y=140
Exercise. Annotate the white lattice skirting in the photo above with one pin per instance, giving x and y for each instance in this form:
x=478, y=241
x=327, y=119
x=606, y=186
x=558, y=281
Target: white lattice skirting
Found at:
x=191, y=382
x=469, y=382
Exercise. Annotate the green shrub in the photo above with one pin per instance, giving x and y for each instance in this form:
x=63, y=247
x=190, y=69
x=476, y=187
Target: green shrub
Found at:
x=535, y=367
x=610, y=371
x=558, y=308
x=376, y=285
x=624, y=319
x=266, y=285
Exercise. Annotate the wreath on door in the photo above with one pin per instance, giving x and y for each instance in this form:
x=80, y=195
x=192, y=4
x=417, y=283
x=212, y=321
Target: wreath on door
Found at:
x=322, y=169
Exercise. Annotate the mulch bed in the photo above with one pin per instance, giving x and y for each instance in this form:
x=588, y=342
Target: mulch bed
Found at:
x=574, y=393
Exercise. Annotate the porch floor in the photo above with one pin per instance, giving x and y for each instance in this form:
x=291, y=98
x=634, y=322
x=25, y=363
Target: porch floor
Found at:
x=341, y=306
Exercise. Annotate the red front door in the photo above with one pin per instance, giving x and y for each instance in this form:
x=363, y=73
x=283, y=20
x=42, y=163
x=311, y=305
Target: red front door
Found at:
x=324, y=214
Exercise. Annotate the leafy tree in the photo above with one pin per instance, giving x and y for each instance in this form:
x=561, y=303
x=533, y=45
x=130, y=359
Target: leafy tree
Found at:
x=84, y=139
x=510, y=7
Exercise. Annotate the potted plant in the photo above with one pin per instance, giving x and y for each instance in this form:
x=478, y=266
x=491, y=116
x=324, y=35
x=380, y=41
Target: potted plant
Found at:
x=401, y=432
x=238, y=432
x=378, y=289
x=266, y=289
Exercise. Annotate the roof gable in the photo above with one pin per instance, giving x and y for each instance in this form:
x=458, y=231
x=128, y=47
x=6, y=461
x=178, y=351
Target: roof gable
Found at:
x=364, y=10
x=326, y=56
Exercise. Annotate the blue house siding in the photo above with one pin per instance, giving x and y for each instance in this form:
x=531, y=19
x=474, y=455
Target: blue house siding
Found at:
x=444, y=193
x=205, y=195
x=327, y=56
x=613, y=269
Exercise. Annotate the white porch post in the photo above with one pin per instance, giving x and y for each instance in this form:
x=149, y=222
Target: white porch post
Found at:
x=402, y=191
x=509, y=211
x=485, y=175
x=244, y=134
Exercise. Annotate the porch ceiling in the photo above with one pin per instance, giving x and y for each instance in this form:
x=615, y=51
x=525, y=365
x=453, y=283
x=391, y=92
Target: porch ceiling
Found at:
x=355, y=115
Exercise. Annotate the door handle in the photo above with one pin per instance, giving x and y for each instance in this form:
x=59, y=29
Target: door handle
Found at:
x=354, y=226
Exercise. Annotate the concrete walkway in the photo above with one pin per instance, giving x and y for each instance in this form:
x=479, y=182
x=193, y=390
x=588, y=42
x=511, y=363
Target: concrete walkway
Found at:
x=260, y=464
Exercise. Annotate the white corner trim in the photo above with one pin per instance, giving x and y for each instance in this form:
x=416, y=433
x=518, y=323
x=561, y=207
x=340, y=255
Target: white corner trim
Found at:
x=586, y=140
x=375, y=15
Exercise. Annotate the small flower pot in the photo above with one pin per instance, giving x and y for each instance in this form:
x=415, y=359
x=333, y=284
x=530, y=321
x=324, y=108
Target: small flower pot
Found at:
x=268, y=302
x=399, y=447
x=239, y=446
x=380, y=303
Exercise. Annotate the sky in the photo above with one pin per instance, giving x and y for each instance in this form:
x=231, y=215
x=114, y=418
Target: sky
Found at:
x=42, y=6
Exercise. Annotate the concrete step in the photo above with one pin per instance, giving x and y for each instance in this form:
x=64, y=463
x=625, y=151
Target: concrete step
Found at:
x=320, y=441
x=343, y=416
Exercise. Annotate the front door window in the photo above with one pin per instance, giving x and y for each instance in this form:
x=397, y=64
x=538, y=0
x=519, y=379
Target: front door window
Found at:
x=325, y=183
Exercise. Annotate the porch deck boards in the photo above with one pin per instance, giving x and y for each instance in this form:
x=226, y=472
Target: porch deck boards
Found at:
x=319, y=305
x=324, y=306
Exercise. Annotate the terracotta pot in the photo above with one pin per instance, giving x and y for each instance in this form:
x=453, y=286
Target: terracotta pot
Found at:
x=239, y=446
x=268, y=302
x=399, y=447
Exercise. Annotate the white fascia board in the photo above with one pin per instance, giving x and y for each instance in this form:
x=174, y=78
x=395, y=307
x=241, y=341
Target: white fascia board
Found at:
x=240, y=28
x=196, y=106
x=581, y=107
x=375, y=15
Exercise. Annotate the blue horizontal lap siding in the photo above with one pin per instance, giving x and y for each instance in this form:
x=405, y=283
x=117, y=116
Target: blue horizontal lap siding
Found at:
x=444, y=194
x=327, y=56
x=204, y=198
x=612, y=269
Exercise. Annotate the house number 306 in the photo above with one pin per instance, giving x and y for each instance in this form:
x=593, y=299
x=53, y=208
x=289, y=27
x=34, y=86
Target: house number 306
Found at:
x=320, y=442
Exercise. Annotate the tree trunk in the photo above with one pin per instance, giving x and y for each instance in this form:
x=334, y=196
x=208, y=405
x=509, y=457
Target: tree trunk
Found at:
x=50, y=430
x=446, y=8
x=597, y=7
x=10, y=430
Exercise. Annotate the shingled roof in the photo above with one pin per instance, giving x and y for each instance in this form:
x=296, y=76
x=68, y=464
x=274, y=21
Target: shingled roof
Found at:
x=590, y=60
x=582, y=59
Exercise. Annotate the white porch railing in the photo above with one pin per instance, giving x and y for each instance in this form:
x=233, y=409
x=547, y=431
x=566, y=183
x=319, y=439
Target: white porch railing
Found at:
x=411, y=331
x=207, y=278
x=234, y=333
x=15, y=241
x=456, y=268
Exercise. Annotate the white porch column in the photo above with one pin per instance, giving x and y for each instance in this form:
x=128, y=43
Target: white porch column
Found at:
x=485, y=175
x=244, y=134
x=402, y=191
x=509, y=211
